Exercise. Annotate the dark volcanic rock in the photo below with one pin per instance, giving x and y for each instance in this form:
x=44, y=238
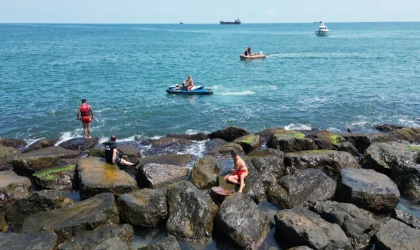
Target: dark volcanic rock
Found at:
x=205, y=172
x=12, y=142
x=30, y=241
x=229, y=134
x=168, y=243
x=31, y=162
x=249, y=142
x=363, y=141
x=407, y=218
x=303, y=227
x=80, y=144
x=191, y=213
x=12, y=188
x=387, y=127
x=331, y=141
x=240, y=219
x=97, y=176
x=193, y=137
x=329, y=161
x=358, y=224
x=43, y=143
x=117, y=237
x=154, y=175
x=75, y=219
x=397, y=235
x=367, y=189
x=411, y=135
x=145, y=207
x=7, y=154
x=39, y=201
x=301, y=187
x=290, y=141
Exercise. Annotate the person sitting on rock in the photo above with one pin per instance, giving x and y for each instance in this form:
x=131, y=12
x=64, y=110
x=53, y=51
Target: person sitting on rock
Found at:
x=113, y=155
x=239, y=171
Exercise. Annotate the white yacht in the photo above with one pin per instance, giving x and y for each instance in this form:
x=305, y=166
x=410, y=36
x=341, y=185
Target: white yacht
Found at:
x=322, y=29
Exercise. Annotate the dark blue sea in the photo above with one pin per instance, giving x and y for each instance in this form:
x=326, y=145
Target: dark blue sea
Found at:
x=361, y=75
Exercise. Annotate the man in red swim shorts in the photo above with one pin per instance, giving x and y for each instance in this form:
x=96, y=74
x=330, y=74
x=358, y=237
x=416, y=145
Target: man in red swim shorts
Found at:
x=239, y=171
x=85, y=114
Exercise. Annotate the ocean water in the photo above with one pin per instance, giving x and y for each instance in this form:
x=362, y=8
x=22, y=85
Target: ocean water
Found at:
x=361, y=75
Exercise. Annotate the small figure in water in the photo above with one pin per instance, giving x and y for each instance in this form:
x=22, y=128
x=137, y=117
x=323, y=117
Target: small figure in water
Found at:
x=249, y=51
x=113, y=155
x=239, y=171
x=86, y=113
x=190, y=82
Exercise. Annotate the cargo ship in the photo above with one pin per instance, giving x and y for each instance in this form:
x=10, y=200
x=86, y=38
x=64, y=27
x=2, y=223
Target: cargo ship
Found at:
x=237, y=21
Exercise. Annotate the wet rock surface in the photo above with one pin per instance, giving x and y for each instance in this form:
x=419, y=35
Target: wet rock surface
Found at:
x=80, y=144
x=406, y=174
x=30, y=241
x=407, y=218
x=96, y=176
x=168, y=243
x=154, y=175
x=194, y=137
x=7, y=154
x=205, y=172
x=410, y=135
x=43, y=143
x=181, y=160
x=396, y=235
x=240, y=219
x=290, y=141
x=229, y=134
x=13, y=187
x=75, y=219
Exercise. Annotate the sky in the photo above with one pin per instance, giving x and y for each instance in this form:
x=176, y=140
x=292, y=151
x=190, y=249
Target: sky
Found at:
x=207, y=11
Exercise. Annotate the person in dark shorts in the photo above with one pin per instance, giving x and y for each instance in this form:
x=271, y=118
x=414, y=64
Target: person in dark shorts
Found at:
x=113, y=155
x=85, y=115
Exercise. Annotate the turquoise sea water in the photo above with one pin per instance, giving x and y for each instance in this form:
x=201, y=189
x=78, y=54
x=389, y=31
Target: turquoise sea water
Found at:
x=361, y=75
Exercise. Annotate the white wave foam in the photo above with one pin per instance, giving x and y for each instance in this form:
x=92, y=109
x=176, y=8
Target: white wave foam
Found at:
x=65, y=136
x=293, y=126
x=191, y=132
x=410, y=123
x=246, y=92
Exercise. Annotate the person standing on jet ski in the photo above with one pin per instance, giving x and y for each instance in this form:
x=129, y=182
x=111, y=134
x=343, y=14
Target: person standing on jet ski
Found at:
x=113, y=155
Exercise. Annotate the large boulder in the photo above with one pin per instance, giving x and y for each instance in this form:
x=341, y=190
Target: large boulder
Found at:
x=329, y=161
x=58, y=178
x=193, y=137
x=39, y=201
x=80, y=144
x=117, y=237
x=386, y=128
x=7, y=154
x=154, y=175
x=249, y=142
x=303, y=227
x=410, y=135
x=396, y=235
x=363, y=141
x=290, y=141
x=229, y=134
x=408, y=219
x=205, y=172
x=224, y=149
x=358, y=224
x=75, y=219
x=12, y=188
x=266, y=134
x=406, y=174
x=168, y=243
x=301, y=187
x=240, y=219
x=43, y=143
x=97, y=176
x=12, y=142
x=181, y=160
x=367, y=189
x=191, y=213
x=168, y=141
x=30, y=241
x=331, y=141
x=145, y=207
x=31, y=162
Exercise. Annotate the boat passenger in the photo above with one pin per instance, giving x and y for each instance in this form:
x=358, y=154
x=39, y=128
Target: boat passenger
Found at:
x=249, y=51
x=190, y=82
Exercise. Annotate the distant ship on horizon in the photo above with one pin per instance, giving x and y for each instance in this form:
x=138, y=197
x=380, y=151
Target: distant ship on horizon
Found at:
x=237, y=21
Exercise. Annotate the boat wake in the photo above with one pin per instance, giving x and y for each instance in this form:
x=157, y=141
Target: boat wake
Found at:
x=246, y=92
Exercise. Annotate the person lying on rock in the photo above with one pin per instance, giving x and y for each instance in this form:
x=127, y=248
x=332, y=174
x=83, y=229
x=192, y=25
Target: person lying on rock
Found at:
x=113, y=155
x=239, y=171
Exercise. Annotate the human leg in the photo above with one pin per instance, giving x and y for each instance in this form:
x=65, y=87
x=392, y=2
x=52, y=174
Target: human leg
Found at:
x=233, y=179
x=88, y=131
x=242, y=182
x=84, y=129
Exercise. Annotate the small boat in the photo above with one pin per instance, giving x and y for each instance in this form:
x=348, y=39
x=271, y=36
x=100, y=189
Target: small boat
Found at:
x=252, y=56
x=322, y=29
x=182, y=89
x=181, y=23
x=237, y=21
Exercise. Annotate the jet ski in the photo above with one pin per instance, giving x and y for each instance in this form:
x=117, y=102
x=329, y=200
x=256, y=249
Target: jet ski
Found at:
x=182, y=89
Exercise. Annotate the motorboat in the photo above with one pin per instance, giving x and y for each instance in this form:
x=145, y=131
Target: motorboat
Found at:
x=322, y=29
x=182, y=89
x=252, y=56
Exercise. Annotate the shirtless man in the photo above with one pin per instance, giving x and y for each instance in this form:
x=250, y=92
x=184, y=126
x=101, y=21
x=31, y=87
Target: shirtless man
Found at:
x=190, y=82
x=239, y=171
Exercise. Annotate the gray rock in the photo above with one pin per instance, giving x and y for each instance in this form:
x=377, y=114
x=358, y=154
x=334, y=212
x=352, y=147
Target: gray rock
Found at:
x=363, y=141
x=266, y=134
x=397, y=235
x=406, y=174
x=191, y=213
x=300, y=248
x=301, y=187
x=240, y=219
x=145, y=207
x=154, y=175
x=407, y=218
x=106, y=237
x=56, y=178
x=358, y=224
x=327, y=140
x=96, y=176
x=75, y=219
x=80, y=144
x=367, y=189
x=12, y=188
x=329, y=161
x=12, y=142
x=168, y=141
x=180, y=160
x=224, y=149
x=290, y=141
x=205, y=172
x=229, y=134
x=387, y=127
x=194, y=137
x=39, y=201
x=303, y=227
x=7, y=154
x=31, y=162
x=30, y=241
x=43, y=143
x=168, y=243
x=408, y=135
x=249, y=142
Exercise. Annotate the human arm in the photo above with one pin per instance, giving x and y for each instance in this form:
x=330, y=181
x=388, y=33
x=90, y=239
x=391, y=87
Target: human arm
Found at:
x=91, y=112
x=78, y=114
